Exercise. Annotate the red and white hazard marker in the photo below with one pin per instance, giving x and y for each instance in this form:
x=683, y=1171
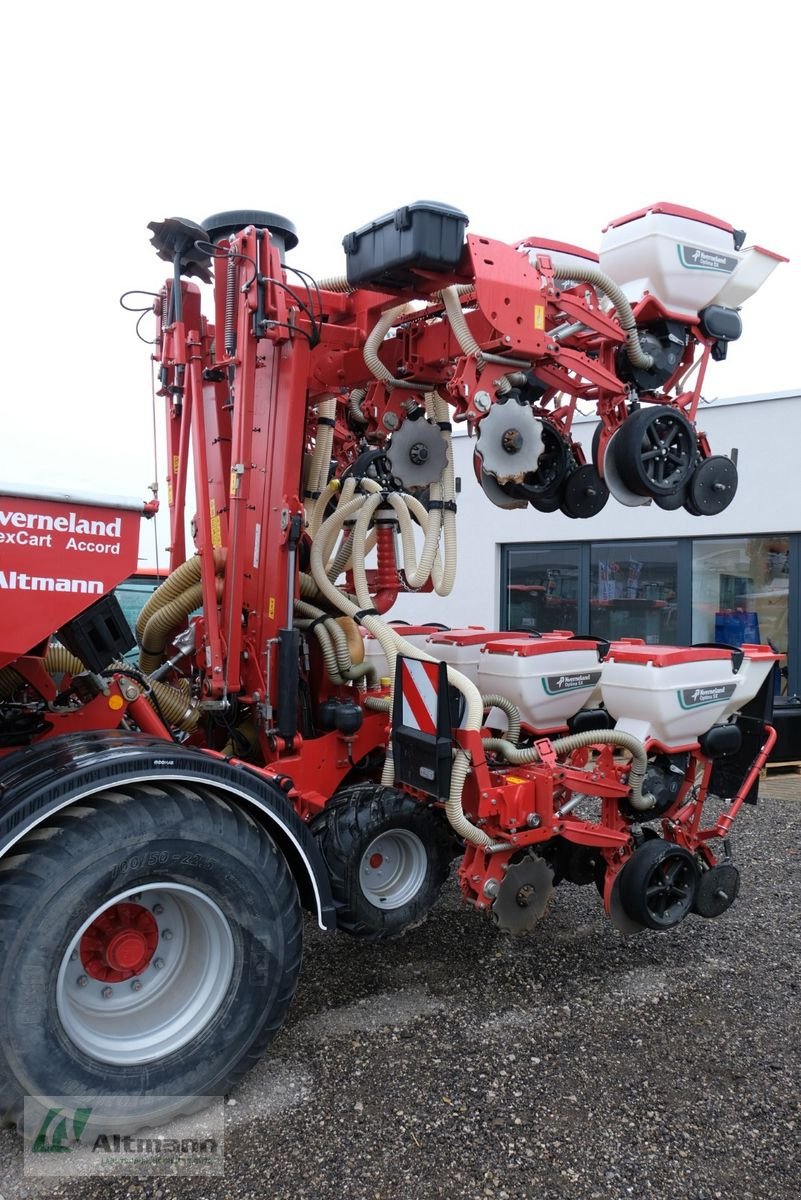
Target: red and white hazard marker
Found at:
x=419, y=682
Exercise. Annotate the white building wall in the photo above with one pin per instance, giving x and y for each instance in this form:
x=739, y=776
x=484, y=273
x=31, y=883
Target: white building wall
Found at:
x=766, y=430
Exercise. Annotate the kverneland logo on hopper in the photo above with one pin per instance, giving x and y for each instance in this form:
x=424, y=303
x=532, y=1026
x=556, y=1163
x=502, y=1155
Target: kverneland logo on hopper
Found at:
x=70, y=523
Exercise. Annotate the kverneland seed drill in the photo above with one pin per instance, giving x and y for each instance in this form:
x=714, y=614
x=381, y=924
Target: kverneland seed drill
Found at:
x=279, y=745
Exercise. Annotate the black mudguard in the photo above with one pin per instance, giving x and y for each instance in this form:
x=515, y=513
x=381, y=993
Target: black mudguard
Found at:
x=41, y=779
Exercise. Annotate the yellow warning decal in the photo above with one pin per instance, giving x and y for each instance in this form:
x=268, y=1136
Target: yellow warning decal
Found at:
x=514, y=779
x=169, y=493
x=271, y=608
x=234, y=486
x=216, y=532
x=539, y=316
x=176, y=462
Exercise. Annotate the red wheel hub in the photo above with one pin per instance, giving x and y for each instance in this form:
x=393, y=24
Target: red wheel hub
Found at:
x=376, y=860
x=119, y=943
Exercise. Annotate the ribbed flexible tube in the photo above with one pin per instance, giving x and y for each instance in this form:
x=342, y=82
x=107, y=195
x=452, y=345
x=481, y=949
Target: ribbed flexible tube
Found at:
x=461, y=330
x=334, y=646
x=57, y=661
x=321, y=458
x=595, y=276
x=512, y=713
x=176, y=704
x=373, y=343
x=393, y=644
x=175, y=584
x=335, y=283
x=355, y=403
x=161, y=624
x=441, y=415
x=579, y=741
x=315, y=516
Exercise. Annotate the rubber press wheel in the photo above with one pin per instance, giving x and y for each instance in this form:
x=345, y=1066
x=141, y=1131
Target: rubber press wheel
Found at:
x=658, y=884
x=656, y=450
x=388, y=856
x=150, y=944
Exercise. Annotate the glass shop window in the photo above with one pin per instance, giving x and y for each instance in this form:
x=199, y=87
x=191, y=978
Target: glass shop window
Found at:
x=633, y=590
x=541, y=588
x=740, y=592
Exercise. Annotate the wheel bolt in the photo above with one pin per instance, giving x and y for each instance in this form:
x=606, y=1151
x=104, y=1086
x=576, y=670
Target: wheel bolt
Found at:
x=107, y=993
x=158, y=909
x=167, y=935
x=158, y=963
x=135, y=899
x=136, y=985
x=73, y=956
x=82, y=981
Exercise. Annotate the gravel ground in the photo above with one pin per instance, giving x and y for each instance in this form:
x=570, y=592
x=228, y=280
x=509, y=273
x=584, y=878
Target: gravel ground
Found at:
x=572, y=1063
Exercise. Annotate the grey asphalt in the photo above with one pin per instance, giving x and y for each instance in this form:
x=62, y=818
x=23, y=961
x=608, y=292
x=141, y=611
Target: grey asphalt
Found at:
x=572, y=1063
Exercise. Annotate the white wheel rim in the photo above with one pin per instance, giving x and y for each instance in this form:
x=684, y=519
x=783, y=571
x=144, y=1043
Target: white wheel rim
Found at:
x=393, y=868
x=167, y=1004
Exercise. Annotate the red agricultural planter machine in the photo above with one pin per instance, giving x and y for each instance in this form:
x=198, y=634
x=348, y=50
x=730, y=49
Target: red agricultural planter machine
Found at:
x=280, y=744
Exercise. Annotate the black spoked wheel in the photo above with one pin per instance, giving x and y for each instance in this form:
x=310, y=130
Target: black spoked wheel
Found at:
x=388, y=857
x=150, y=944
x=656, y=450
x=658, y=884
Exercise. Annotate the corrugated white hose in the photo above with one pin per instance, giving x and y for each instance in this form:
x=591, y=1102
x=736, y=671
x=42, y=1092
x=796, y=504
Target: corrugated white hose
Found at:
x=429, y=565
x=326, y=647
x=461, y=330
x=345, y=490
x=441, y=414
x=392, y=645
x=375, y=338
x=341, y=667
x=406, y=507
x=321, y=459
x=335, y=283
x=512, y=714
x=355, y=405
x=578, y=741
x=595, y=276
x=315, y=517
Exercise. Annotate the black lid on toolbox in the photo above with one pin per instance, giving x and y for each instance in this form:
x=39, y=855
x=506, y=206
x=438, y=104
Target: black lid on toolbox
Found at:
x=387, y=253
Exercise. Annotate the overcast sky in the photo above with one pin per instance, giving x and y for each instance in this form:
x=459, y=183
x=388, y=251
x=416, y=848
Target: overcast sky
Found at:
x=551, y=123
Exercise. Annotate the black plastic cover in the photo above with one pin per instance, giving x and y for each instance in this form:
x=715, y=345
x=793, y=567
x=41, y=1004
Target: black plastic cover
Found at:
x=99, y=635
x=722, y=323
x=386, y=253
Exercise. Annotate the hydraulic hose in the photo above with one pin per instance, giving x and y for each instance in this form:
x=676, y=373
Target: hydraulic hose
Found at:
x=579, y=741
x=596, y=277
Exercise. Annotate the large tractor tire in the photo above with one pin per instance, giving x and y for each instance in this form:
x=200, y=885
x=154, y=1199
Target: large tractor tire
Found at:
x=150, y=944
x=388, y=856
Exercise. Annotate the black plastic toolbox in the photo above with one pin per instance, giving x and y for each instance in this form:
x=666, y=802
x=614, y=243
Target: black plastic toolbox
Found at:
x=422, y=236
